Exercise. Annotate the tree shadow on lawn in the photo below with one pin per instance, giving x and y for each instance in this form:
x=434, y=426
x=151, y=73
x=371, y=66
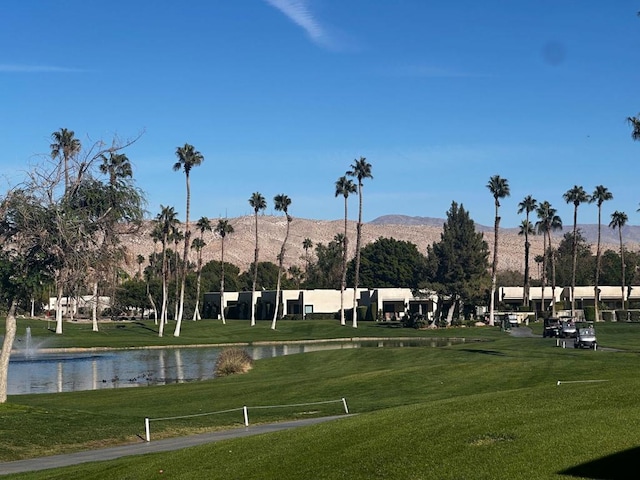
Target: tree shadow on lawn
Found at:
x=484, y=352
x=618, y=466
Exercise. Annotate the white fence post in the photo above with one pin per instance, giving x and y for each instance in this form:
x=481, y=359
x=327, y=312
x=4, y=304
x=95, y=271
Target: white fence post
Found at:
x=344, y=402
x=246, y=416
x=147, y=430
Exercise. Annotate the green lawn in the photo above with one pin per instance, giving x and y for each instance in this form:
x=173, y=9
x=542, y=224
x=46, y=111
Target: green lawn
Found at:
x=489, y=409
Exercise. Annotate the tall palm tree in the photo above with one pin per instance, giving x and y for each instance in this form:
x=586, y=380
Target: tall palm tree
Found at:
x=360, y=169
x=223, y=229
x=548, y=222
x=165, y=221
x=118, y=168
x=575, y=195
x=600, y=195
x=344, y=187
x=527, y=205
x=619, y=220
x=188, y=157
x=499, y=188
x=204, y=225
x=258, y=203
x=635, y=124
x=281, y=203
x=65, y=145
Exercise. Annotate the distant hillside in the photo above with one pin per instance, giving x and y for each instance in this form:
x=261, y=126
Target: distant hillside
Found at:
x=630, y=233
x=239, y=246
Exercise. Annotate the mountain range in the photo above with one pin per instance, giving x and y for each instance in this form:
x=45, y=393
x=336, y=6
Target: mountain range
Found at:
x=422, y=231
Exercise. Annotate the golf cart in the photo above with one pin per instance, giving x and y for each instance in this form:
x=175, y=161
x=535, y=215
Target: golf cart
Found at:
x=552, y=327
x=568, y=329
x=586, y=337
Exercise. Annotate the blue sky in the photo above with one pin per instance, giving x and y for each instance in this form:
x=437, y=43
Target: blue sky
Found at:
x=280, y=96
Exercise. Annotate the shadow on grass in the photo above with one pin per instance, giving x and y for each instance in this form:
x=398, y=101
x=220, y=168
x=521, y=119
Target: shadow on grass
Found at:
x=484, y=352
x=617, y=466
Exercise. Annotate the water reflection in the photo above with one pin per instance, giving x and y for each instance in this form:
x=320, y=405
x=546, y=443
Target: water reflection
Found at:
x=51, y=373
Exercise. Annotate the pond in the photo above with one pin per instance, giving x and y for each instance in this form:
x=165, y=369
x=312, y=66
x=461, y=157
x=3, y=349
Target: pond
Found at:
x=33, y=371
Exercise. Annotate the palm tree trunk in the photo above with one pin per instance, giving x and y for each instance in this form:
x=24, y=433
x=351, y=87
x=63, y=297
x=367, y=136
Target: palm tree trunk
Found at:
x=222, y=280
x=575, y=261
x=343, y=280
x=544, y=271
x=357, y=269
x=622, y=282
x=185, y=262
x=527, y=274
x=94, y=308
x=59, y=308
x=255, y=278
x=163, y=311
x=153, y=305
x=598, y=264
x=7, y=344
x=494, y=268
x=553, y=277
x=277, y=300
x=196, y=310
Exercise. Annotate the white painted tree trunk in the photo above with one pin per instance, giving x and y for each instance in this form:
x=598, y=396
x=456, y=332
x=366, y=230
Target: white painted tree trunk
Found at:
x=59, y=310
x=94, y=309
x=5, y=354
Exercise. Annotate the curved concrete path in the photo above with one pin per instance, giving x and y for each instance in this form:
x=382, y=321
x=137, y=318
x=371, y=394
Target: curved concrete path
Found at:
x=56, y=461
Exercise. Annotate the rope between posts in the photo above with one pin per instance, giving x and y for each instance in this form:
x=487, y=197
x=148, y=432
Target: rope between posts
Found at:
x=195, y=415
x=295, y=404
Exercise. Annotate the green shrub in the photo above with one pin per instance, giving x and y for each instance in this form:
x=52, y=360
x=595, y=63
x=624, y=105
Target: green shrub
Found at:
x=607, y=316
x=621, y=315
x=362, y=313
x=325, y=316
x=634, y=315
x=233, y=360
x=589, y=313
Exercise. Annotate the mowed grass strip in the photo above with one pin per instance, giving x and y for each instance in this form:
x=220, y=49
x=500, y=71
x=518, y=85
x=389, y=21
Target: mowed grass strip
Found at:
x=535, y=432
x=209, y=332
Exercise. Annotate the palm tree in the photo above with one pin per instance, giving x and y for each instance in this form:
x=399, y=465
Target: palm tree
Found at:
x=258, y=203
x=166, y=221
x=526, y=229
x=575, y=195
x=548, y=222
x=223, y=229
x=140, y=260
x=117, y=166
x=635, y=124
x=344, y=187
x=281, y=204
x=204, y=225
x=600, y=195
x=360, y=169
x=188, y=157
x=307, y=244
x=65, y=145
x=619, y=220
x=527, y=205
x=499, y=188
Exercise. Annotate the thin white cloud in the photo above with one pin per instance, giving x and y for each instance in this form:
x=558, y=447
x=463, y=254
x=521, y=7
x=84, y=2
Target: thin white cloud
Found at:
x=15, y=68
x=298, y=12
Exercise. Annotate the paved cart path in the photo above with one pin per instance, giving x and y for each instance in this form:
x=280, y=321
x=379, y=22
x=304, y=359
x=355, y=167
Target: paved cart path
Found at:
x=56, y=461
